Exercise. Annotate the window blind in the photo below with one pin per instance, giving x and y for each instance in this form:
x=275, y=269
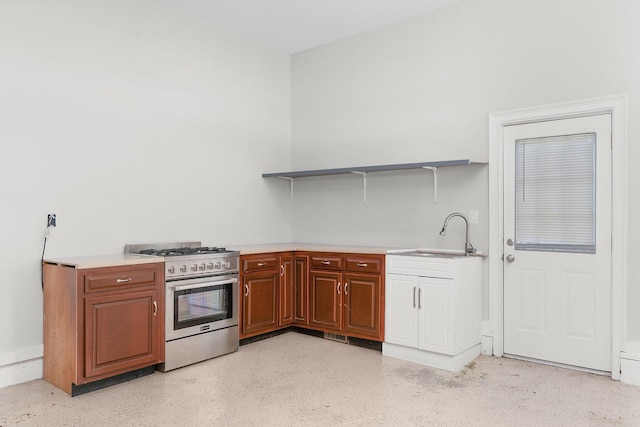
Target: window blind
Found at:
x=556, y=193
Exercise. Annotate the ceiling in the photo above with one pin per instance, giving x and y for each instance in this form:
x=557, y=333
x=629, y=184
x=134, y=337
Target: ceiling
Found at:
x=292, y=26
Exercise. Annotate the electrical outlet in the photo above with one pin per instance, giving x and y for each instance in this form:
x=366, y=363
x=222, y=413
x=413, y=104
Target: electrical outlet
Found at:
x=51, y=220
x=473, y=217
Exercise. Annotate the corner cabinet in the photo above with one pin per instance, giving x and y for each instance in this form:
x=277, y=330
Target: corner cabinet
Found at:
x=101, y=322
x=269, y=288
x=330, y=292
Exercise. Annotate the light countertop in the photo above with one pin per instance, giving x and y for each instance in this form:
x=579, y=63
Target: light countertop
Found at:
x=308, y=247
x=113, y=260
x=96, y=261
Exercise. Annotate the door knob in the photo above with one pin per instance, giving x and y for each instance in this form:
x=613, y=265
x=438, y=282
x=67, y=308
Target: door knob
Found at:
x=510, y=258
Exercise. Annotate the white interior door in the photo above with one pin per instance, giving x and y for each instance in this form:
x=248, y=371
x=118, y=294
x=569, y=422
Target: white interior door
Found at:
x=557, y=248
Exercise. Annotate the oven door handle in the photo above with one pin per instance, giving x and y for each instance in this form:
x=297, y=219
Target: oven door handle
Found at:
x=203, y=285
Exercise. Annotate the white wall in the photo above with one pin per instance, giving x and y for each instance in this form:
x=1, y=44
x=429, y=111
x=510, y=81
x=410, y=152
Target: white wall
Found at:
x=133, y=123
x=423, y=89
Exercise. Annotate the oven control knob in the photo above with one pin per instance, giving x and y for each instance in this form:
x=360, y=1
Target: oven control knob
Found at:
x=218, y=265
x=171, y=269
x=210, y=266
x=202, y=267
x=194, y=267
x=227, y=264
x=183, y=268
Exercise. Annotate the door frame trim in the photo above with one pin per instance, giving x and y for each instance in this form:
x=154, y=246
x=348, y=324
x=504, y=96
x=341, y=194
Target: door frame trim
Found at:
x=616, y=105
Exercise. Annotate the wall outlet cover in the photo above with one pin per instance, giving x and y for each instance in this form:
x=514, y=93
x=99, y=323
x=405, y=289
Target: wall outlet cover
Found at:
x=473, y=217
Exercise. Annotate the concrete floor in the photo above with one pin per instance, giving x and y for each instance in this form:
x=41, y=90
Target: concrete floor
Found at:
x=299, y=380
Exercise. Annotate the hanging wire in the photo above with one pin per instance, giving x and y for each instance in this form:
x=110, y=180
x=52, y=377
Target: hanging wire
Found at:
x=44, y=246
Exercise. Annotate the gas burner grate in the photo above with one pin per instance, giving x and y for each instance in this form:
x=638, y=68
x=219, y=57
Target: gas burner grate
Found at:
x=183, y=251
x=210, y=250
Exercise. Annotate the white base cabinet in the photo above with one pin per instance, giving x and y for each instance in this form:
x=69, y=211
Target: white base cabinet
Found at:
x=433, y=310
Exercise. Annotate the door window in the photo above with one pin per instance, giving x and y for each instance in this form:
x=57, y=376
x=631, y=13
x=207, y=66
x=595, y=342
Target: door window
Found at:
x=555, y=193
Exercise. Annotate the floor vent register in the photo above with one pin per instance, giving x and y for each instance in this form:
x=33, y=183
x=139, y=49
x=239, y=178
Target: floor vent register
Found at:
x=335, y=337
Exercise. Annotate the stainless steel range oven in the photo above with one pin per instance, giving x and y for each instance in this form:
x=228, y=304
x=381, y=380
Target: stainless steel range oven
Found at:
x=201, y=302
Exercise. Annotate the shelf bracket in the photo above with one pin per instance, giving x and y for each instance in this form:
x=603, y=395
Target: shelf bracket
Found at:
x=434, y=169
x=290, y=188
x=364, y=185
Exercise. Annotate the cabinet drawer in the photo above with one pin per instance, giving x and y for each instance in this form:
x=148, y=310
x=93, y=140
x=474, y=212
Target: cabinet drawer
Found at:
x=260, y=264
x=119, y=279
x=363, y=264
x=326, y=262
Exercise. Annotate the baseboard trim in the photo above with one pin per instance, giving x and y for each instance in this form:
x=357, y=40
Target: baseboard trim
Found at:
x=447, y=362
x=21, y=366
x=630, y=364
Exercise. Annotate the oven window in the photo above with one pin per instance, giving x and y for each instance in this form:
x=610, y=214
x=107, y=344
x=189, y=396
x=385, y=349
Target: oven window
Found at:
x=194, y=307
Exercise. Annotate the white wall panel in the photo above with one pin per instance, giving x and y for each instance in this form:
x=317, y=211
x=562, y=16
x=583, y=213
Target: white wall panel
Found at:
x=133, y=123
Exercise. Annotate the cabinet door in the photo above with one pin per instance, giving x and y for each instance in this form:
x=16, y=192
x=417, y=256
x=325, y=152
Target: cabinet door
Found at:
x=260, y=302
x=120, y=332
x=286, y=290
x=361, y=304
x=436, y=315
x=401, y=310
x=325, y=299
x=301, y=280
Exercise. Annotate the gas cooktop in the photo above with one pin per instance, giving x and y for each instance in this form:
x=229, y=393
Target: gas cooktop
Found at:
x=176, y=249
x=181, y=251
x=189, y=259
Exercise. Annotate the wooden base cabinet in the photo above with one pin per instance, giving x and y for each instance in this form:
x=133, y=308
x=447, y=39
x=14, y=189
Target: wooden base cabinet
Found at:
x=332, y=292
x=345, y=302
x=101, y=322
x=347, y=295
x=269, y=292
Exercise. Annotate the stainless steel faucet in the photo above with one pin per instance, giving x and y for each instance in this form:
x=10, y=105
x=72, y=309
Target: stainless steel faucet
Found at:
x=468, y=247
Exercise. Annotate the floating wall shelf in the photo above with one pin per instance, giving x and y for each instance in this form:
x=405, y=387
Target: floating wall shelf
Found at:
x=364, y=170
